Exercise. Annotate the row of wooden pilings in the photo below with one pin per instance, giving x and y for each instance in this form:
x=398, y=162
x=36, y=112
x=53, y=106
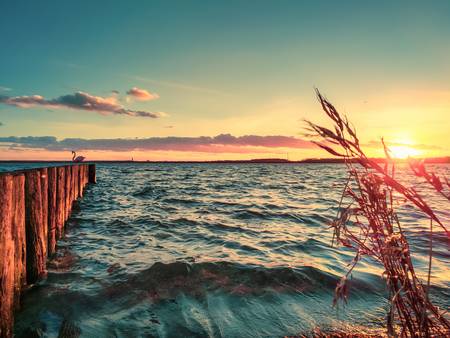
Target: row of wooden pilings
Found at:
x=34, y=206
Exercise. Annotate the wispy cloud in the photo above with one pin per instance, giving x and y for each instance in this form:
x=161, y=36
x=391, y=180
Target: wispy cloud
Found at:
x=68, y=64
x=4, y=89
x=142, y=94
x=182, y=86
x=223, y=143
x=79, y=100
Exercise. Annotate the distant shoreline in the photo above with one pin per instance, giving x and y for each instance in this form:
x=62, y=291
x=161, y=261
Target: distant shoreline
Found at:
x=434, y=160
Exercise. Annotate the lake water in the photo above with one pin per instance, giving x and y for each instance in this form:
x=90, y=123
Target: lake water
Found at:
x=216, y=250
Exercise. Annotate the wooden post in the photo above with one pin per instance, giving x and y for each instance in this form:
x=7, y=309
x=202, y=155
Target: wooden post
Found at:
x=85, y=175
x=68, y=201
x=19, y=236
x=76, y=181
x=81, y=189
x=6, y=257
x=35, y=233
x=52, y=210
x=81, y=180
x=92, y=175
x=60, y=201
x=44, y=193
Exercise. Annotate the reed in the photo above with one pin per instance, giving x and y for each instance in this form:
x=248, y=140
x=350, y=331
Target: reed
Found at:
x=367, y=222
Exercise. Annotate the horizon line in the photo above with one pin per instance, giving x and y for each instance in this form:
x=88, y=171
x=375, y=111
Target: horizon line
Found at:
x=435, y=159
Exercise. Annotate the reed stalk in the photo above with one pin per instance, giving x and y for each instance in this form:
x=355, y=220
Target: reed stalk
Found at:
x=367, y=223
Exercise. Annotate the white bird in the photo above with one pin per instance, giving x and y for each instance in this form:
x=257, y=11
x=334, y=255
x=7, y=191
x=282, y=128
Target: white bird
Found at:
x=76, y=158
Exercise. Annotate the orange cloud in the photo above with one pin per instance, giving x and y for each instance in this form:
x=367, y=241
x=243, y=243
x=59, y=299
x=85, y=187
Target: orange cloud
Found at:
x=142, y=94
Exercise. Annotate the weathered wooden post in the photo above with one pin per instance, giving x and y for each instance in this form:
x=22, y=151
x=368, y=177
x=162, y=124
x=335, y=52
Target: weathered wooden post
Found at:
x=68, y=201
x=92, y=175
x=6, y=257
x=85, y=175
x=81, y=180
x=19, y=236
x=44, y=193
x=35, y=232
x=75, y=182
x=79, y=186
x=60, y=201
x=52, y=209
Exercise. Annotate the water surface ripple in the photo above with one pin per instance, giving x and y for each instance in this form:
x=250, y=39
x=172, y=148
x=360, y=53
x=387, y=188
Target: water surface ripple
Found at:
x=215, y=250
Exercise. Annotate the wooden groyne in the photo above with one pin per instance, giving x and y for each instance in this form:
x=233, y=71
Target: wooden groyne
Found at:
x=34, y=206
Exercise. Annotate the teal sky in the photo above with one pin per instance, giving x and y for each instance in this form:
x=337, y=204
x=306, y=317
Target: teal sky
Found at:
x=227, y=67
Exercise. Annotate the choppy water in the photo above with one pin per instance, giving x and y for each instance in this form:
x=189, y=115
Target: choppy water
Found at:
x=212, y=250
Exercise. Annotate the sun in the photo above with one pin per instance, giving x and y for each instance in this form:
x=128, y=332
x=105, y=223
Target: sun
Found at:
x=403, y=151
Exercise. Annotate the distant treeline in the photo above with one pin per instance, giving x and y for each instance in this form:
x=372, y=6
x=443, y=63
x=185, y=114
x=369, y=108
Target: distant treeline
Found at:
x=430, y=160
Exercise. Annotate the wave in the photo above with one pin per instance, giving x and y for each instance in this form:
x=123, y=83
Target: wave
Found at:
x=165, y=280
x=149, y=191
x=239, y=251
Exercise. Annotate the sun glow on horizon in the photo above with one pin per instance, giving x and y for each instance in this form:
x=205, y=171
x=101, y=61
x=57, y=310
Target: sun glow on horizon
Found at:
x=403, y=151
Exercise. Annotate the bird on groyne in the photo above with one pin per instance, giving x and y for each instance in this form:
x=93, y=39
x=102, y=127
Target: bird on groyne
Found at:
x=76, y=158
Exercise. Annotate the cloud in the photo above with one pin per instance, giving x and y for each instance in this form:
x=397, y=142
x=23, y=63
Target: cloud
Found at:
x=223, y=143
x=182, y=86
x=80, y=101
x=1, y=124
x=142, y=94
x=5, y=89
x=378, y=144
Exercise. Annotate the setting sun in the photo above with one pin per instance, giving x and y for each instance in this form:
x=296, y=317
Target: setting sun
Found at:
x=403, y=151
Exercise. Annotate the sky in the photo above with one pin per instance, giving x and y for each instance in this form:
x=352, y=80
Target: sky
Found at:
x=212, y=80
